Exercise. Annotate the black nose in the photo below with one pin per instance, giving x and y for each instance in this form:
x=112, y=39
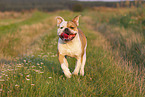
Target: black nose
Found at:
x=66, y=29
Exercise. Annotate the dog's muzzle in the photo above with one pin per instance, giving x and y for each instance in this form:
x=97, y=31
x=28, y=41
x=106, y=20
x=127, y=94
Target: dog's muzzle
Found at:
x=67, y=35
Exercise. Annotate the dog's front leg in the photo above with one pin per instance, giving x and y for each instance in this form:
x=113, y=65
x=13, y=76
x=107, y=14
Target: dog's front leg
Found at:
x=64, y=66
x=77, y=68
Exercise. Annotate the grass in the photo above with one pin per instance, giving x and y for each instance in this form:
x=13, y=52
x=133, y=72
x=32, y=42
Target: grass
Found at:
x=37, y=72
x=11, y=28
x=125, y=32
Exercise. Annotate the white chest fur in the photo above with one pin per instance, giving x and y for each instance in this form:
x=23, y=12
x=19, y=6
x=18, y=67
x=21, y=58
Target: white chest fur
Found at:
x=71, y=48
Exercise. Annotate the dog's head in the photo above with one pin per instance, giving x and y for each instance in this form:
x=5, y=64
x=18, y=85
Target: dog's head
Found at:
x=67, y=30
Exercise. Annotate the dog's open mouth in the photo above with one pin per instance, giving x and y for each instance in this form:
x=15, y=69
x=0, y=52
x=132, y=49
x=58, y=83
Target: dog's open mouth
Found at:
x=67, y=37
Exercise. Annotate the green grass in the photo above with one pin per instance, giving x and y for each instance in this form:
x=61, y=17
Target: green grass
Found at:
x=125, y=32
x=106, y=73
x=11, y=28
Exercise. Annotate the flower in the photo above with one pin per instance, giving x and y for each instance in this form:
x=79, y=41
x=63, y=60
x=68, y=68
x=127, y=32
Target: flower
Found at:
x=6, y=75
x=27, y=79
x=38, y=71
x=33, y=66
x=24, y=61
x=16, y=85
x=49, y=77
x=32, y=84
x=1, y=90
x=41, y=72
x=28, y=76
x=42, y=63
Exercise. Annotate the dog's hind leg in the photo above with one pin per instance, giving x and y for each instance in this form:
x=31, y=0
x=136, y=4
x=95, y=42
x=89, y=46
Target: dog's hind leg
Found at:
x=83, y=64
x=64, y=66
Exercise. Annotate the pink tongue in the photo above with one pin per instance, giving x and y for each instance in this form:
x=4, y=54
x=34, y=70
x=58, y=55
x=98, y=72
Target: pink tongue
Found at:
x=64, y=35
x=70, y=36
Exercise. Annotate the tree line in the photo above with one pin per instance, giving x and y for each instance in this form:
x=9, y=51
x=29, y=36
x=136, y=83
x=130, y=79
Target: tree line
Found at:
x=51, y=5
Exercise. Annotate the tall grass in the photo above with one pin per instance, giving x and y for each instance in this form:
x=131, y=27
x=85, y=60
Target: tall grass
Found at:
x=11, y=28
x=39, y=74
x=124, y=31
x=27, y=33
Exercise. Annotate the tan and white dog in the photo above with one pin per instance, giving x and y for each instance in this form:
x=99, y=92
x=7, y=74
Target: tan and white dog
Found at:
x=72, y=42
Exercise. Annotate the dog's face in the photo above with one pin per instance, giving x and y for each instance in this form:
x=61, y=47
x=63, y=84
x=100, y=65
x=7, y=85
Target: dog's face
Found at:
x=67, y=30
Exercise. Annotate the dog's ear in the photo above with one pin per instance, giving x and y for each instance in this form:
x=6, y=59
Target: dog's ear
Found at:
x=59, y=20
x=76, y=20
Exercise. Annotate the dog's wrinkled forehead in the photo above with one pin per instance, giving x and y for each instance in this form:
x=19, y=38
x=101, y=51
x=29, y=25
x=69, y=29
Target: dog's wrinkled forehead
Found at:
x=71, y=24
x=67, y=24
x=63, y=24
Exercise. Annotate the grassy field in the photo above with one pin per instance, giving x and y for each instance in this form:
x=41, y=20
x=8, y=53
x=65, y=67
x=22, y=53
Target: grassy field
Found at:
x=115, y=63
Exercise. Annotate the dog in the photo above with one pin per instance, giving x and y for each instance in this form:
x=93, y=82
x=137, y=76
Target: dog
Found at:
x=72, y=42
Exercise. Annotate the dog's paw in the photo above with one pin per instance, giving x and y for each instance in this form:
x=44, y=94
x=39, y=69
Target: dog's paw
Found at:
x=75, y=73
x=82, y=72
x=68, y=75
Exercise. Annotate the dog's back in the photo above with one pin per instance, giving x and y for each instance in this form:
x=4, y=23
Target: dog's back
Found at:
x=83, y=39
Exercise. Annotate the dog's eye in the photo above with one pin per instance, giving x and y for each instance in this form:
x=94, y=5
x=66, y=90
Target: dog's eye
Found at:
x=61, y=27
x=72, y=27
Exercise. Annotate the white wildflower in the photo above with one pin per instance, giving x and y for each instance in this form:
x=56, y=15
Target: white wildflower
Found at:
x=33, y=66
x=16, y=85
x=24, y=61
x=41, y=72
x=19, y=66
x=38, y=71
x=28, y=76
x=32, y=84
x=27, y=79
x=90, y=78
x=42, y=63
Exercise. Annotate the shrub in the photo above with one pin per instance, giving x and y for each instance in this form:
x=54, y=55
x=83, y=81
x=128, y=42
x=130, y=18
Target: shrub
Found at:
x=77, y=8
